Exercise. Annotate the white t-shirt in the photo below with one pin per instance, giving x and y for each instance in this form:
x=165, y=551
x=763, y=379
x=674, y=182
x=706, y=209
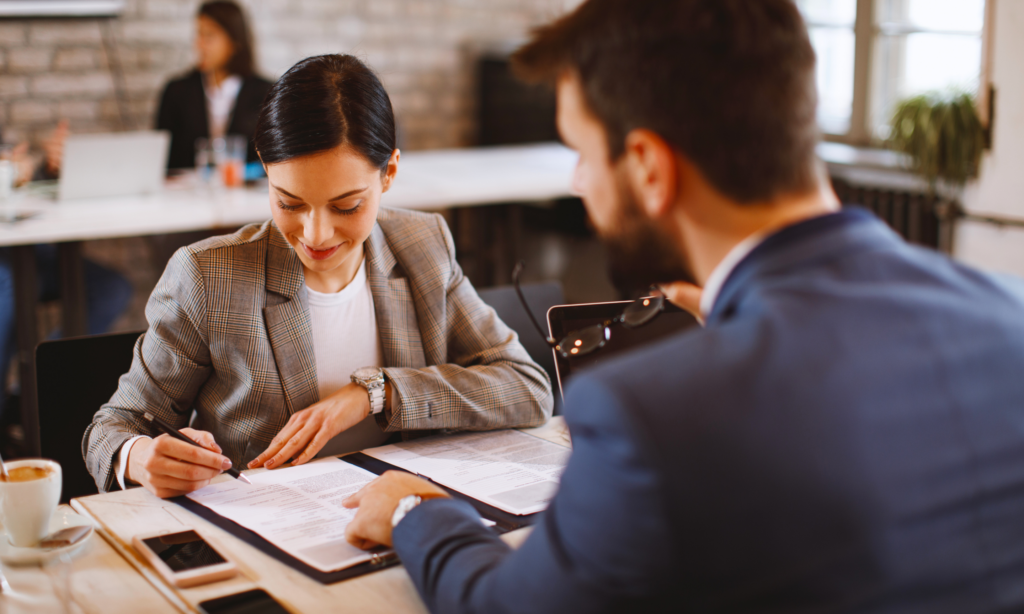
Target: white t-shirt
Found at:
x=345, y=333
x=220, y=102
x=345, y=338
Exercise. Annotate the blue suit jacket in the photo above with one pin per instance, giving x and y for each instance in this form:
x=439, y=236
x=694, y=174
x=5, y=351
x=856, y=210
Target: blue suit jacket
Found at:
x=845, y=435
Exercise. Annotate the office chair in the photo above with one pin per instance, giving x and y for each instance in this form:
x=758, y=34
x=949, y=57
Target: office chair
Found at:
x=540, y=297
x=74, y=378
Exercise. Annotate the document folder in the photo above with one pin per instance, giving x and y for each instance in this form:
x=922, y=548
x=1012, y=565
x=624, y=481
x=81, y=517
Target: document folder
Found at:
x=504, y=522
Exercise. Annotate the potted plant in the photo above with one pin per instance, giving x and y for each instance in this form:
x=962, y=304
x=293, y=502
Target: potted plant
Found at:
x=943, y=139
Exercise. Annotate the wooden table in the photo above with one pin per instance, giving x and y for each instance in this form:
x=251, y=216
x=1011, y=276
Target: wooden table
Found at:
x=104, y=583
x=433, y=180
x=101, y=582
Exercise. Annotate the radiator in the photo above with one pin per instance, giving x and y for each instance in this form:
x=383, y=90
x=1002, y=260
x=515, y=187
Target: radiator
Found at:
x=914, y=215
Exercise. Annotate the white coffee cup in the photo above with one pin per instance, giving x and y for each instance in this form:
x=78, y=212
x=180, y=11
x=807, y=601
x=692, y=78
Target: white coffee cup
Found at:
x=28, y=505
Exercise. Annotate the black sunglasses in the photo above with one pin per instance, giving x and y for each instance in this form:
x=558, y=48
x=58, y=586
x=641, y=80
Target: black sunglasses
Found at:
x=591, y=338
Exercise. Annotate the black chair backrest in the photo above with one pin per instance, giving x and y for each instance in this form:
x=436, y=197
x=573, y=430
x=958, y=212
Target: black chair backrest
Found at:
x=74, y=378
x=540, y=297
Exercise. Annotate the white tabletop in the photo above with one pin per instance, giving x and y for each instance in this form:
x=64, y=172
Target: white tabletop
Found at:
x=432, y=180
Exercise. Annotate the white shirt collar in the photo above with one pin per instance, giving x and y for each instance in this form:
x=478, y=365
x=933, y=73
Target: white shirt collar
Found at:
x=220, y=102
x=721, y=272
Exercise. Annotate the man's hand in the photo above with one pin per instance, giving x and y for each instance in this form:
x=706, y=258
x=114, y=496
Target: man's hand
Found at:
x=684, y=295
x=168, y=467
x=377, y=502
x=53, y=148
x=24, y=166
x=309, y=430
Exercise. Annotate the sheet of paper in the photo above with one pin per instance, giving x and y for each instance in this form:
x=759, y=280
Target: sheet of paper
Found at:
x=512, y=471
x=298, y=509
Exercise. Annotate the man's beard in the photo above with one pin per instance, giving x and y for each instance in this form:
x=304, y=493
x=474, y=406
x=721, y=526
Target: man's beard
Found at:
x=640, y=253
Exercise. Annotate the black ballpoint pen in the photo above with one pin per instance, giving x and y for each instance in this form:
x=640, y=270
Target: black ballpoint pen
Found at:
x=173, y=432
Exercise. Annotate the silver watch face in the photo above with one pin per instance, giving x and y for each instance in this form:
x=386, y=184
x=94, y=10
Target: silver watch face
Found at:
x=366, y=373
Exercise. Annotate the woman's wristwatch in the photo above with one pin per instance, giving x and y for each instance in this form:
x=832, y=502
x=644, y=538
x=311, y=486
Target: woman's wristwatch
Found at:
x=372, y=378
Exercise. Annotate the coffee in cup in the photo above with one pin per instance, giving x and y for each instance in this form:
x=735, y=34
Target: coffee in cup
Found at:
x=28, y=498
x=26, y=474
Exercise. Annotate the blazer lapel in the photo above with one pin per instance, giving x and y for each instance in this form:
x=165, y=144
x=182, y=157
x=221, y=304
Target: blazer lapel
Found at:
x=199, y=102
x=393, y=305
x=288, y=325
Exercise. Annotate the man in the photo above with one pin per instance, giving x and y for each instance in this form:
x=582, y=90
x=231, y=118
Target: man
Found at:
x=107, y=291
x=846, y=433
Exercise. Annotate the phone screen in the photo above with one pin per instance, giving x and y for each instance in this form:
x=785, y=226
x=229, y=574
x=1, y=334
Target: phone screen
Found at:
x=183, y=551
x=249, y=602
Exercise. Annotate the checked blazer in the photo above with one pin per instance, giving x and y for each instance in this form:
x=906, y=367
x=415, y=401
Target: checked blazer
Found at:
x=230, y=337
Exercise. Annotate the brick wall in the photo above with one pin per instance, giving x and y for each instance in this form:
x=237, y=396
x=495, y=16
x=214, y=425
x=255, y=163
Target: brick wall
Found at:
x=423, y=50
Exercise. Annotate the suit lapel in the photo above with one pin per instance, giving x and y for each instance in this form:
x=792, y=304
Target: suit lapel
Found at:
x=288, y=325
x=241, y=102
x=393, y=305
x=202, y=121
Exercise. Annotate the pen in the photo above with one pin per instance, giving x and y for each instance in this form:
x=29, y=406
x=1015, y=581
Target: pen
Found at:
x=173, y=432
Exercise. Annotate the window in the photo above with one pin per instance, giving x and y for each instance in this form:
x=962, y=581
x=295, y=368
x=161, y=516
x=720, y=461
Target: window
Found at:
x=874, y=53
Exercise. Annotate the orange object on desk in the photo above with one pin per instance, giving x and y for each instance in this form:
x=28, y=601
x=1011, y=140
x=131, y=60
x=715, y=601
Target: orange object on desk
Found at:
x=231, y=174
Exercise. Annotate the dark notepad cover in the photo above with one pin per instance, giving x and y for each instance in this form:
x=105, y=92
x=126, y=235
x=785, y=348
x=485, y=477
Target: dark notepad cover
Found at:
x=261, y=544
x=505, y=522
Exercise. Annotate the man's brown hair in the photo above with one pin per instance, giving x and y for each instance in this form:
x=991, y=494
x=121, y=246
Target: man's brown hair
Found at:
x=728, y=83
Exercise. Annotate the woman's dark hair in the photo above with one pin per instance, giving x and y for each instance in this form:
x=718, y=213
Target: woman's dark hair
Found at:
x=230, y=17
x=323, y=102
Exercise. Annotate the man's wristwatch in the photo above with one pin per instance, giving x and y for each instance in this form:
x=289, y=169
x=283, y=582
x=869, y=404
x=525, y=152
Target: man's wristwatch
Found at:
x=405, y=505
x=372, y=378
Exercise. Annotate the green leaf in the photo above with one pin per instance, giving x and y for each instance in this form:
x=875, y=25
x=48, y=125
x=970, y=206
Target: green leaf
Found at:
x=941, y=134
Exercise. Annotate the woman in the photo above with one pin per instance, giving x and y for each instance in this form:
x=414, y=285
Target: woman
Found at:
x=222, y=95
x=262, y=331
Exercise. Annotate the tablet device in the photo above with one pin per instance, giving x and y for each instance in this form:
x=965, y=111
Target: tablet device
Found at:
x=564, y=319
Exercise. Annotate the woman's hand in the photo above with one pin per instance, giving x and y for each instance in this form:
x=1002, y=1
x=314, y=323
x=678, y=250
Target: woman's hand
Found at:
x=168, y=467
x=308, y=430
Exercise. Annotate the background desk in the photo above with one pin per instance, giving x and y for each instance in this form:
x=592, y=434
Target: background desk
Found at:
x=122, y=514
x=430, y=180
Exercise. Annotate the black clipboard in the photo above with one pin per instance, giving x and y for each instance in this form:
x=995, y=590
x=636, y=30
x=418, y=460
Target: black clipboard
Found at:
x=387, y=558
x=504, y=522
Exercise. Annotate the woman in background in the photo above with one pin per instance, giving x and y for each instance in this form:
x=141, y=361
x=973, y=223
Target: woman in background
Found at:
x=222, y=95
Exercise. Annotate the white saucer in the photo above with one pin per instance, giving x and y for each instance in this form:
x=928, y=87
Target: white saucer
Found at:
x=63, y=518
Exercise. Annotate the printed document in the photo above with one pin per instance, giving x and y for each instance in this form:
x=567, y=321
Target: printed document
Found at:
x=298, y=509
x=510, y=470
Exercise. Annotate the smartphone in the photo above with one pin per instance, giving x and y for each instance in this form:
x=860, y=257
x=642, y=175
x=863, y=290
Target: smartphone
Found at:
x=184, y=558
x=249, y=602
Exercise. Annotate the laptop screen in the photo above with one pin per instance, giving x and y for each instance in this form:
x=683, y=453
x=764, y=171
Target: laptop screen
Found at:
x=564, y=319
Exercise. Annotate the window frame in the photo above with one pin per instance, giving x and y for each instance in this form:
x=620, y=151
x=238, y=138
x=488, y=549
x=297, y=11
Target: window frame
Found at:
x=866, y=33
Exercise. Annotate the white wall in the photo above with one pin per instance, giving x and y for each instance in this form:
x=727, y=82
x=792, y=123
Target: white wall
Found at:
x=999, y=190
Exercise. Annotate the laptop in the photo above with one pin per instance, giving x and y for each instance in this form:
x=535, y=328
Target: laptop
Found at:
x=121, y=164
x=564, y=319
